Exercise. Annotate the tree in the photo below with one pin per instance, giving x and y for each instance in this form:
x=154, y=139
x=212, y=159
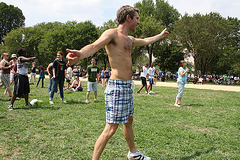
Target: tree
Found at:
x=168, y=56
x=154, y=17
x=24, y=37
x=69, y=35
x=101, y=54
x=10, y=18
x=45, y=39
x=204, y=36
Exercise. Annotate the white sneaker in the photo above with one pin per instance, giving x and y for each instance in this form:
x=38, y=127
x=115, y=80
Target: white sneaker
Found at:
x=146, y=92
x=151, y=92
x=10, y=107
x=64, y=101
x=51, y=102
x=137, y=156
x=175, y=104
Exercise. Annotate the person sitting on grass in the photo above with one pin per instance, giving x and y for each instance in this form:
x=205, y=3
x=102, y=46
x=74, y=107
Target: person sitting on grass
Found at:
x=200, y=80
x=76, y=85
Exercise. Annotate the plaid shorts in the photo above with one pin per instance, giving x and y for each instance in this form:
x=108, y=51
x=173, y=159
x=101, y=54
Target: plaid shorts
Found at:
x=119, y=101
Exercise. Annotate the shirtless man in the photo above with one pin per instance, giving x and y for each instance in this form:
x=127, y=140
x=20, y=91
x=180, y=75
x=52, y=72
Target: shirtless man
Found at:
x=119, y=105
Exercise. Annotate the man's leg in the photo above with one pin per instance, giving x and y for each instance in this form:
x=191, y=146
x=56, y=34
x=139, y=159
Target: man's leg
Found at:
x=95, y=95
x=140, y=88
x=128, y=134
x=102, y=140
x=95, y=85
x=146, y=88
x=25, y=95
x=87, y=96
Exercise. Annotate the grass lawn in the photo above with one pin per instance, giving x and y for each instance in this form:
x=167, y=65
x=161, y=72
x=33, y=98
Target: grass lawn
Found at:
x=207, y=127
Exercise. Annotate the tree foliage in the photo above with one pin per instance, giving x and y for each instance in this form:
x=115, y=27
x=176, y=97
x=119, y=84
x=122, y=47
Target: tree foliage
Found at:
x=205, y=37
x=102, y=55
x=46, y=39
x=168, y=56
x=154, y=17
x=10, y=18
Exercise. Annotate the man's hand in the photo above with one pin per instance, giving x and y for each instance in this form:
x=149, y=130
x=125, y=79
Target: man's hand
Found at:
x=73, y=56
x=33, y=59
x=164, y=33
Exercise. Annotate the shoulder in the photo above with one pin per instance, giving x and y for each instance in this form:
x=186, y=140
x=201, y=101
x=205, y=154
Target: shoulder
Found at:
x=111, y=32
x=180, y=69
x=132, y=38
x=90, y=66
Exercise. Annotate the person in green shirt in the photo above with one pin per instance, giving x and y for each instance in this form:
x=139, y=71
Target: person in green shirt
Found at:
x=92, y=74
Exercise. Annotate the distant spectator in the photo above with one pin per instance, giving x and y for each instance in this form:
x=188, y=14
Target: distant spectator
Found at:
x=76, y=71
x=13, y=63
x=144, y=72
x=200, y=80
x=76, y=85
x=59, y=67
x=5, y=75
x=103, y=76
x=160, y=75
x=181, y=81
x=92, y=73
x=33, y=73
x=41, y=75
x=107, y=75
x=69, y=75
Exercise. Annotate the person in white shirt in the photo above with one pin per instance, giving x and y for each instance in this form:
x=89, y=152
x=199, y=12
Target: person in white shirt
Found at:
x=69, y=75
x=21, y=87
x=143, y=76
x=151, y=73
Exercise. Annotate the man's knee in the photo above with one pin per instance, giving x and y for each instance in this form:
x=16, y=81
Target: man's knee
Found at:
x=130, y=121
x=110, y=130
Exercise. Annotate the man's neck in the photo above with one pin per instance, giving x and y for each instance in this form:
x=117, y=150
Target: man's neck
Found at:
x=123, y=28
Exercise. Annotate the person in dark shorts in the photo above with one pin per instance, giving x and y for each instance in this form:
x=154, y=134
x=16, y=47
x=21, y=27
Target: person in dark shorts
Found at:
x=21, y=87
x=143, y=76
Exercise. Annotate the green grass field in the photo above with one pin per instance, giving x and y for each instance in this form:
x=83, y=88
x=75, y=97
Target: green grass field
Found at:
x=207, y=127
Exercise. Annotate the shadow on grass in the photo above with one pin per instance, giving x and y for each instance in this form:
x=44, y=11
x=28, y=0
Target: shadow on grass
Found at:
x=37, y=106
x=197, y=154
x=194, y=105
x=75, y=102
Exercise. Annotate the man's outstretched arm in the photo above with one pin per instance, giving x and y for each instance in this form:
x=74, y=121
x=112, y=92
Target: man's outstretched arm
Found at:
x=74, y=56
x=150, y=40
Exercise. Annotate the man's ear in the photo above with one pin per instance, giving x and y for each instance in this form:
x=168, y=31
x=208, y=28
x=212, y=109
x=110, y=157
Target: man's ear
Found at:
x=128, y=18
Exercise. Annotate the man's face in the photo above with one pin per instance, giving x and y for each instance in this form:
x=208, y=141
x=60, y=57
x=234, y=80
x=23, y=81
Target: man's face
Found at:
x=134, y=22
x=93, y=61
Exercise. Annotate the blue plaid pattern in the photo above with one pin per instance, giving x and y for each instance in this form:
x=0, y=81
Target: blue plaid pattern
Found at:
x=119, y=101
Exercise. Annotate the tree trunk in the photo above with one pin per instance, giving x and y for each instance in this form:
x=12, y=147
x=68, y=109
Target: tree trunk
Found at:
x=150, y=47
x=196, y=64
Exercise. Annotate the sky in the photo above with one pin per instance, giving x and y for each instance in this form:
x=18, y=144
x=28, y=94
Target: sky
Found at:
x=100, y=11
